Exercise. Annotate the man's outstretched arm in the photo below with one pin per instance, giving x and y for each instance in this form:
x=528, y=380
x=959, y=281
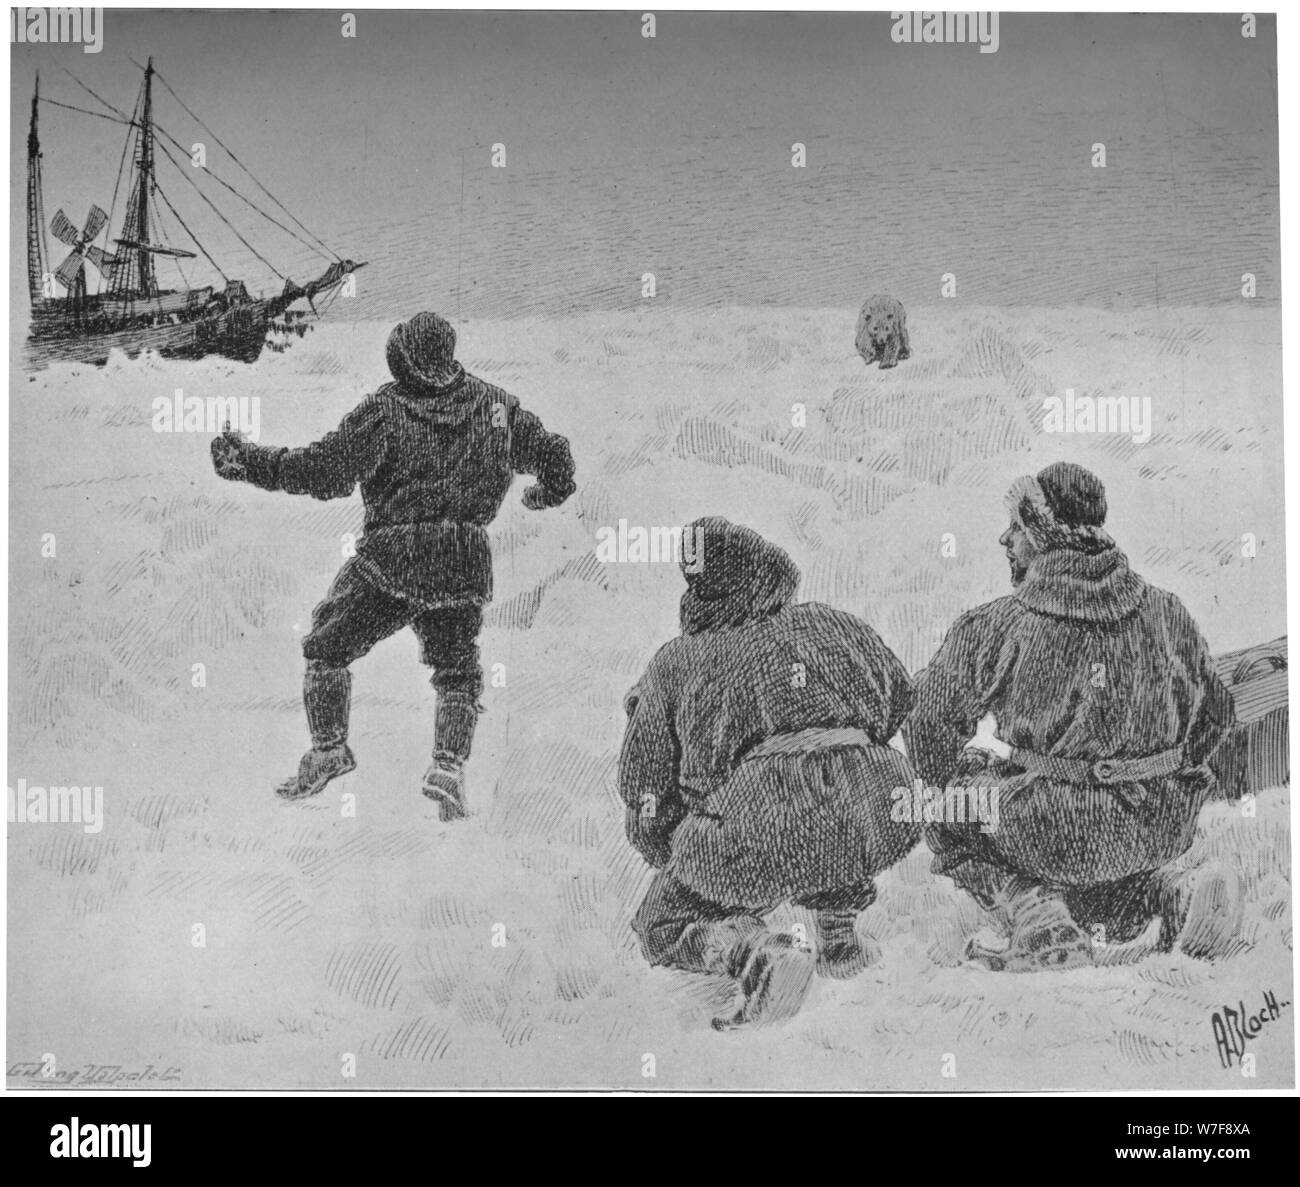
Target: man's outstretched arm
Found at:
x=326, y=469
x=546, y=456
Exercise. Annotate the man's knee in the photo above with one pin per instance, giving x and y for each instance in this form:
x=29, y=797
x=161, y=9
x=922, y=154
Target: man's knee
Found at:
x=323, y=670
x=463, y=678
x=698, y=938
x=328, y=649
x=666, y=913
x=337, y=640
x=659, y=935
x=954, y=845
x=1117, y=911
x=353, y=617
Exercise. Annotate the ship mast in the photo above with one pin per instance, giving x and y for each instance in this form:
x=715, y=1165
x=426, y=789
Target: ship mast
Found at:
x=36, y=254
x=133, y=271
x=148, y=283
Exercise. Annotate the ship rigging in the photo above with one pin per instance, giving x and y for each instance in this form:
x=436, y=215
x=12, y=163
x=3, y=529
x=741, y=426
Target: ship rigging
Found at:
x=129, y=310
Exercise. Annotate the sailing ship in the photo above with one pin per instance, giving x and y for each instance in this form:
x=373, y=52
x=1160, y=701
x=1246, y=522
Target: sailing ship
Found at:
x=130, y=311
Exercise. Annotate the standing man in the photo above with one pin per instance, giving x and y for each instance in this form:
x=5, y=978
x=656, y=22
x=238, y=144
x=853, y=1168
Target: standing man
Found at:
x=435, y=452
x=1104, y=690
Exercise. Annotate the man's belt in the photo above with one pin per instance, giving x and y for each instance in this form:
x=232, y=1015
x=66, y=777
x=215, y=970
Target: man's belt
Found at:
x=375, y=525
x=807, y=740
x=1100, y=770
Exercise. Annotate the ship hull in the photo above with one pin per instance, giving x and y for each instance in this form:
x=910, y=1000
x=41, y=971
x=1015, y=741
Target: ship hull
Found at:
x=239, y=334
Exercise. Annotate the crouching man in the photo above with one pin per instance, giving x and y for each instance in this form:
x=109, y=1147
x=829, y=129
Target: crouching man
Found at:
x=435, y=452
x=1102, y=687
x=755, y=771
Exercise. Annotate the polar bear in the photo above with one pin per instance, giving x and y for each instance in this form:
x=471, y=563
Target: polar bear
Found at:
x=882, y=332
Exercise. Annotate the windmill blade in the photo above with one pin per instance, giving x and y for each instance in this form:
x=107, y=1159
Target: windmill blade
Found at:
x=95, y=221
x=63, y=230
x=100, y=258
x=67, y=271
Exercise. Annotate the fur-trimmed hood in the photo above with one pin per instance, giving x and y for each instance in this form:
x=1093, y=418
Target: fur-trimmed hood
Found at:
x=1028, y=503
x=1088, y=586
x=1078, y=573
x=444, y=405
x=421, y=356
x=743, y=577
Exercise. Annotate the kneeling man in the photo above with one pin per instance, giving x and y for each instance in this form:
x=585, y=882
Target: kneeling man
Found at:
x=1103, y=688
x=755, y=771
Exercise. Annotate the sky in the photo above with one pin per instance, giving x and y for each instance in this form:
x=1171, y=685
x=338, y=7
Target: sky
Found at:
x=626, y=155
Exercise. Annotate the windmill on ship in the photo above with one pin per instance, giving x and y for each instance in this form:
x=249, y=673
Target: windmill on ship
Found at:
x=129, y=310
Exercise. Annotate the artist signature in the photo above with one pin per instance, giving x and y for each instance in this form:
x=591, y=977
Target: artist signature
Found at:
x=42, y=1072
x=1234, y=1028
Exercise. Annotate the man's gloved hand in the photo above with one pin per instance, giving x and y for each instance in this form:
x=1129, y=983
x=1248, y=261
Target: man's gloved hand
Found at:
x=535, y=497
x=228, y=455
x=650, y=826
x=978, y=768
x=972, y=762
x=654, y=844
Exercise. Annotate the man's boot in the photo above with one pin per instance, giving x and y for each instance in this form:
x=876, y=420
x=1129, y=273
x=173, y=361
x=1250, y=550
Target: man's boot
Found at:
x=327, y=697
x=1041, y=934
x=841, y=952
x=453, y=733
x=774, y=971
x=1200, y=909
